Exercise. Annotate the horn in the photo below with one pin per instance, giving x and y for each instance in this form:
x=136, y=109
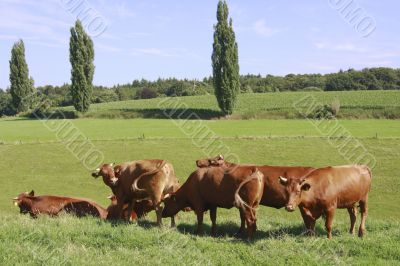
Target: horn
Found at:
x=110, y=197
x=221, y=157
x=97, y=170
x=167, y=196
x=283, y=179
x=112, y=164
x=16, y=198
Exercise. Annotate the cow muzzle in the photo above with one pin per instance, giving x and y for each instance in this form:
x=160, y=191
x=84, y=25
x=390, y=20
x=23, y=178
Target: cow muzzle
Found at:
x=114, y=181
x=290, y=208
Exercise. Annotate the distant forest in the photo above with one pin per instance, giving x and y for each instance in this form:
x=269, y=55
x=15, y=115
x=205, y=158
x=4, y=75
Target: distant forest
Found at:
x=366, y=79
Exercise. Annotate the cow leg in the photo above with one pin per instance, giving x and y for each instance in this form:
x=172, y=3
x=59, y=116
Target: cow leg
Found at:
x=242, y=223
x=200, y=215
x=330, y=213
x=364, y=213
x=353, y=217
x=120, y=207
x=250, y=222
x=173, y=225
x=128, y=212
x=253, y=212
x=213, y=217
x=159, y=210
x=309, y=222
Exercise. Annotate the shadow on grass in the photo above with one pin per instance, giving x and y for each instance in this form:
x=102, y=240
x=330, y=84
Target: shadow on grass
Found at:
x=180, y=113
x=227, y=229
x=231, y=229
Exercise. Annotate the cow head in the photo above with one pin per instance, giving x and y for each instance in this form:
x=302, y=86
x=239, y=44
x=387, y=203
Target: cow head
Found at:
x=172, y=205
x=294, y=189
x=24, y=201
x=216, y=161
x=110, y=177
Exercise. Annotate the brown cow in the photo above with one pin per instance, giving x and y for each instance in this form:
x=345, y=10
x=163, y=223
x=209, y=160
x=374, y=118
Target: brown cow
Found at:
x=53, y=205
x=274, y=194
x=213, y=187
x=326, y=189
x=140, y=180
x=141, y=209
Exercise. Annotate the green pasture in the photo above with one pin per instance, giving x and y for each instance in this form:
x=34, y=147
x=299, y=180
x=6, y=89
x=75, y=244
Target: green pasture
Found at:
x=23, y=130
x=32, y=157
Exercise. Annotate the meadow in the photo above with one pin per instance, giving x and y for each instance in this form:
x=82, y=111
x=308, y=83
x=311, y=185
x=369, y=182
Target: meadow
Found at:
x=32, y=157
x=353, y=104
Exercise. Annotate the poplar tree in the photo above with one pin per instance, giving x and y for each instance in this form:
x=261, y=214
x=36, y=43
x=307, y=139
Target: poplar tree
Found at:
x=21, y=89
x=81, y=56
x=225, y=61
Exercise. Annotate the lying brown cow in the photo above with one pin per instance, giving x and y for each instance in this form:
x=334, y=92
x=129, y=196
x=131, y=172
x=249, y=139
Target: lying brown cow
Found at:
x=326, y=189
x=141, y=209
x=53, y=205
x=210, y=188
x=140, y=180
x=274, y=194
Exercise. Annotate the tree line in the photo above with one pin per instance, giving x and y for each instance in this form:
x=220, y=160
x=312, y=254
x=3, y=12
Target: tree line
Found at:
x=225, y=82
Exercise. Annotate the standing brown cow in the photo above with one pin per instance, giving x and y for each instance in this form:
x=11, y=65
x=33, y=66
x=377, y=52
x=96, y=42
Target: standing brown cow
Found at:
x=139, y=180
x=326, y=189
x=210, y=188
x=53, y=205
x=274, y=194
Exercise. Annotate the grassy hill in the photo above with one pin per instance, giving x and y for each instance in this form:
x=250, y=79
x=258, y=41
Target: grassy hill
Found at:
x=354, y=104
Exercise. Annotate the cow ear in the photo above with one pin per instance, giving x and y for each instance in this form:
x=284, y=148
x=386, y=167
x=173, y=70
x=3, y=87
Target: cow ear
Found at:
x=32, y=193
x=306, y=187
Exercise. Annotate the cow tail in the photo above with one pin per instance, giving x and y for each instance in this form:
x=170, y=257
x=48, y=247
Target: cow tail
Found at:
x=369, y=171
x=135, y=183
x=239, y=202
x=370, y=175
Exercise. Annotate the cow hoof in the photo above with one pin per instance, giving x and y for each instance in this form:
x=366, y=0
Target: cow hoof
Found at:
x=360, y=234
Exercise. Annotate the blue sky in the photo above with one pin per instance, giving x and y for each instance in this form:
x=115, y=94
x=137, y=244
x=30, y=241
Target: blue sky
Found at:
x=159, y=38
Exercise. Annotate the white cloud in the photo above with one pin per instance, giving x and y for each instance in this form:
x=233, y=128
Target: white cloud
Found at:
x=153, y=52
x=345, y=47
x=341, y=47
x=107, y=48
x=320, y=45
x=122, y=11
x=261, y=28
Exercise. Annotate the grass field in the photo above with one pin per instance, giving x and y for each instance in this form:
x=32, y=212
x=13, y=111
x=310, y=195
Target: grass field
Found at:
x=33, y=158
x=354, y=104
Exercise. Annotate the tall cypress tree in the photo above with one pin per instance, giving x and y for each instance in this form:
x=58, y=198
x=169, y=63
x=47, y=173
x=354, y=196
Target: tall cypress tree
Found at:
x=225, y=61
x=81, y=56
x=22, y=89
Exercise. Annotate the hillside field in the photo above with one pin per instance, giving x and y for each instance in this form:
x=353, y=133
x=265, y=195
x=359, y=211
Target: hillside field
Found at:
x=353, y=104
x=33, y=157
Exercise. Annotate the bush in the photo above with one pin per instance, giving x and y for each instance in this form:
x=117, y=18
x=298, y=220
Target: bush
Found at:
x=323, y=112
x=6, y=107
x=104, y=96
x=146, y=93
